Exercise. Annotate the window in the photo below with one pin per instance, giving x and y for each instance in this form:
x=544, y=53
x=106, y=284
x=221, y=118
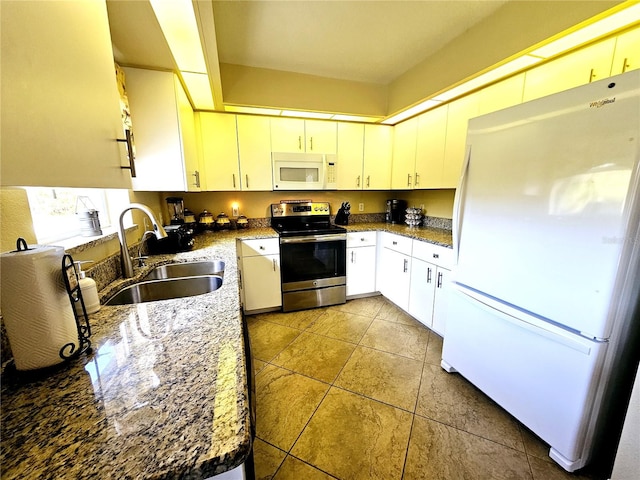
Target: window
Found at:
x=53, y=210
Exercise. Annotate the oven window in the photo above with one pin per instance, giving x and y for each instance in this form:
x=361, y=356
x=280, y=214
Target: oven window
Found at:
x=298, y=174
x=312, y=261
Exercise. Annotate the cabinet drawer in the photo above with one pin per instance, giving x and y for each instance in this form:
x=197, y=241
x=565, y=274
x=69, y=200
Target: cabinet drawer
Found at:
x=261, y=246
x=397, y=243
x=436, y=254
x=361, y=239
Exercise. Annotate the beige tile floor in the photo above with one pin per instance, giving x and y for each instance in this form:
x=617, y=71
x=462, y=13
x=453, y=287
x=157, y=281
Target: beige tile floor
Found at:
x=356, y=391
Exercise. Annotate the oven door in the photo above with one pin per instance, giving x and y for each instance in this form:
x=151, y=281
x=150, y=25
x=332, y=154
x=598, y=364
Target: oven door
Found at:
x=313, y=270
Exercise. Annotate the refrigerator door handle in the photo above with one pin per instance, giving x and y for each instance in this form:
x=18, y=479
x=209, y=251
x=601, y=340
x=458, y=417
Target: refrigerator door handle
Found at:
x=524, y=321
x=458, y=205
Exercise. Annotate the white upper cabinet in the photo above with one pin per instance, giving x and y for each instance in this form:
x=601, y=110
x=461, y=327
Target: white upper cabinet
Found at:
x=164, y=132
x=350, y=156
x=219, y=151
x=254, y=151
x=404, y=154
x=60, y=103
x=460, y=112
x=627, y=52
x=378, y=151
x=572, y=70
x=504, y=94
x=432, y=131
x=296, y=135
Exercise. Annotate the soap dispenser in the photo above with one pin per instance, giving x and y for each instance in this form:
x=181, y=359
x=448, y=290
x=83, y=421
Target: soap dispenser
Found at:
x=89, y=291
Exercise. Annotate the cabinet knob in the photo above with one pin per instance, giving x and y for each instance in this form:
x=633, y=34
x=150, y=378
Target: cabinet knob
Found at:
x=436, y=255
x=261, y=247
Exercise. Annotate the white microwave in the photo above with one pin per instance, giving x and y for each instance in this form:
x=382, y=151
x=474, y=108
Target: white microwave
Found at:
x=304, y=171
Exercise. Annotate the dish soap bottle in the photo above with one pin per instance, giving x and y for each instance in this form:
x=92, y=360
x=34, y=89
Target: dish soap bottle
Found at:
x=89, y=291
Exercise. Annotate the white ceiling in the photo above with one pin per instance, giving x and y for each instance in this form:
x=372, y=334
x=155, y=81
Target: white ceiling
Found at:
x=366, y=41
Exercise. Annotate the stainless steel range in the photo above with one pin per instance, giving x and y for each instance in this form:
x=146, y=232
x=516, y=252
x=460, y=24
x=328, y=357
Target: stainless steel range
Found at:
x=313, y=255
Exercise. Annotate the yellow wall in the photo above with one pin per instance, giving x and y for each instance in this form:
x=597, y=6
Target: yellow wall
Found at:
x=438, y=203
x=15, y=218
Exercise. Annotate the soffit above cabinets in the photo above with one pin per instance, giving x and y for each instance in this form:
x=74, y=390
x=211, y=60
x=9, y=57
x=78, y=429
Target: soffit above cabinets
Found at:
x=343, y=57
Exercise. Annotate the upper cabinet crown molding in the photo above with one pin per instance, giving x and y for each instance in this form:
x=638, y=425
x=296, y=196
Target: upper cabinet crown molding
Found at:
x=61, y=116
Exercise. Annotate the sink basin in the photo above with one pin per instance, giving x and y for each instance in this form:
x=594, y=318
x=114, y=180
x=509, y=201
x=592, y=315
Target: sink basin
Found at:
x=151, y=291
x=187, y=269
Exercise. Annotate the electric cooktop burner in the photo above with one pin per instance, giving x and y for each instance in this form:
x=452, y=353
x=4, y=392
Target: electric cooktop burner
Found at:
x=305, y=218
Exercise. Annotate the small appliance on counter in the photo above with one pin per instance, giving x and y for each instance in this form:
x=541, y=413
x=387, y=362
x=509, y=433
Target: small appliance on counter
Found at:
x=342, y=217
x=179, y=239
x=395, y=211
x=176, y=210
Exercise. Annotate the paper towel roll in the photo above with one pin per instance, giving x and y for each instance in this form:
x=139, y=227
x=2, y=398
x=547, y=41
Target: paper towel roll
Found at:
x=36, y=309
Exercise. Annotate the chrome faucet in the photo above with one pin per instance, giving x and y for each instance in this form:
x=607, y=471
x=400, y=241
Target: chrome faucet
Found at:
x=158, y=231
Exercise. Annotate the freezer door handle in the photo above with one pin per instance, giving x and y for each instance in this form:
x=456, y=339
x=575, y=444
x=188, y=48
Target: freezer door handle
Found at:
x=527, y=322
x=458, y=205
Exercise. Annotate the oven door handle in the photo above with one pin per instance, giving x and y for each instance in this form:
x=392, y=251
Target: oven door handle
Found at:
x=314, y=238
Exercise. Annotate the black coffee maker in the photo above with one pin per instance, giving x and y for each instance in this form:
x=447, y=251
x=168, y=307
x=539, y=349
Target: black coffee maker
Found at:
x=396, y=210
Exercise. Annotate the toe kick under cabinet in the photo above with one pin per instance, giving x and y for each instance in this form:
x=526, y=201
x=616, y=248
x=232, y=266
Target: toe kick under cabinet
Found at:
x=259, y=267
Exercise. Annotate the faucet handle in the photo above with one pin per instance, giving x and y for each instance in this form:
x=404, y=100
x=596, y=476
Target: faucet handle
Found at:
x=141, y=260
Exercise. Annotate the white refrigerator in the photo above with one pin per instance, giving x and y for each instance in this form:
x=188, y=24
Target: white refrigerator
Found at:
x=547, y=242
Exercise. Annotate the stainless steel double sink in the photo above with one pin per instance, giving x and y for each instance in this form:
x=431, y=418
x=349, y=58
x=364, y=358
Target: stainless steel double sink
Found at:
x=175, y=280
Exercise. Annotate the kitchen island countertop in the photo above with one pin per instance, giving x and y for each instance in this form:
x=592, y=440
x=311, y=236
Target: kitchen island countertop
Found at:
x=163, y=394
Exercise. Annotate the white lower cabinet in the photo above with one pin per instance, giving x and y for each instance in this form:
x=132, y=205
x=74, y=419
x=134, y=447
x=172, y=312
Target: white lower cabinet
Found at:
x=394, y=274
x=361, y=263
x=429, y=280
x=259, y=270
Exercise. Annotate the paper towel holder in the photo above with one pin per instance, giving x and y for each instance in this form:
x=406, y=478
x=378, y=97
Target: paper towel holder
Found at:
x=72, y=283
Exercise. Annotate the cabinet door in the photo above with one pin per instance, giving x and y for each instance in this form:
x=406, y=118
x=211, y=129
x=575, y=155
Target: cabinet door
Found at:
x=261, y=282
x=440, y=301
x=432, y=131
x=627, y=53
x=404, y=154
x=378, y=150
x=156, y=129
x=321, y=136
x=254, y=151
x=187, y=131
x=572, y=70
x=287, y=135
x=501, y=95
x=60, y=115
x=460, y=112
x=350, y=155
x=421, y=294
x=219, y=151
x=361, y=270
x=395, y=277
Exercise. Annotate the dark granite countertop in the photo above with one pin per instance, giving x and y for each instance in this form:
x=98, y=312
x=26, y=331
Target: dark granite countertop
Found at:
x=164, y=393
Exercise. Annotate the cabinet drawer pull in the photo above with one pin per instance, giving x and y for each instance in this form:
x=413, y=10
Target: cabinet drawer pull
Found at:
x=247, y=180
x=417, y=179
x=358, y=181
x=274, y=265
x=368, y=180
x=436, y=255
x=405, y=266
x=197, y=180
x=233, y=176
x=299, y=142
x=362, y=239
x=394, y=242
x=311, y=143
x=261, y=247
x=408, y=179
x=592, y=75
x=353, y=256
x=625, y=65
x=428, y=274
x=439, y=284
